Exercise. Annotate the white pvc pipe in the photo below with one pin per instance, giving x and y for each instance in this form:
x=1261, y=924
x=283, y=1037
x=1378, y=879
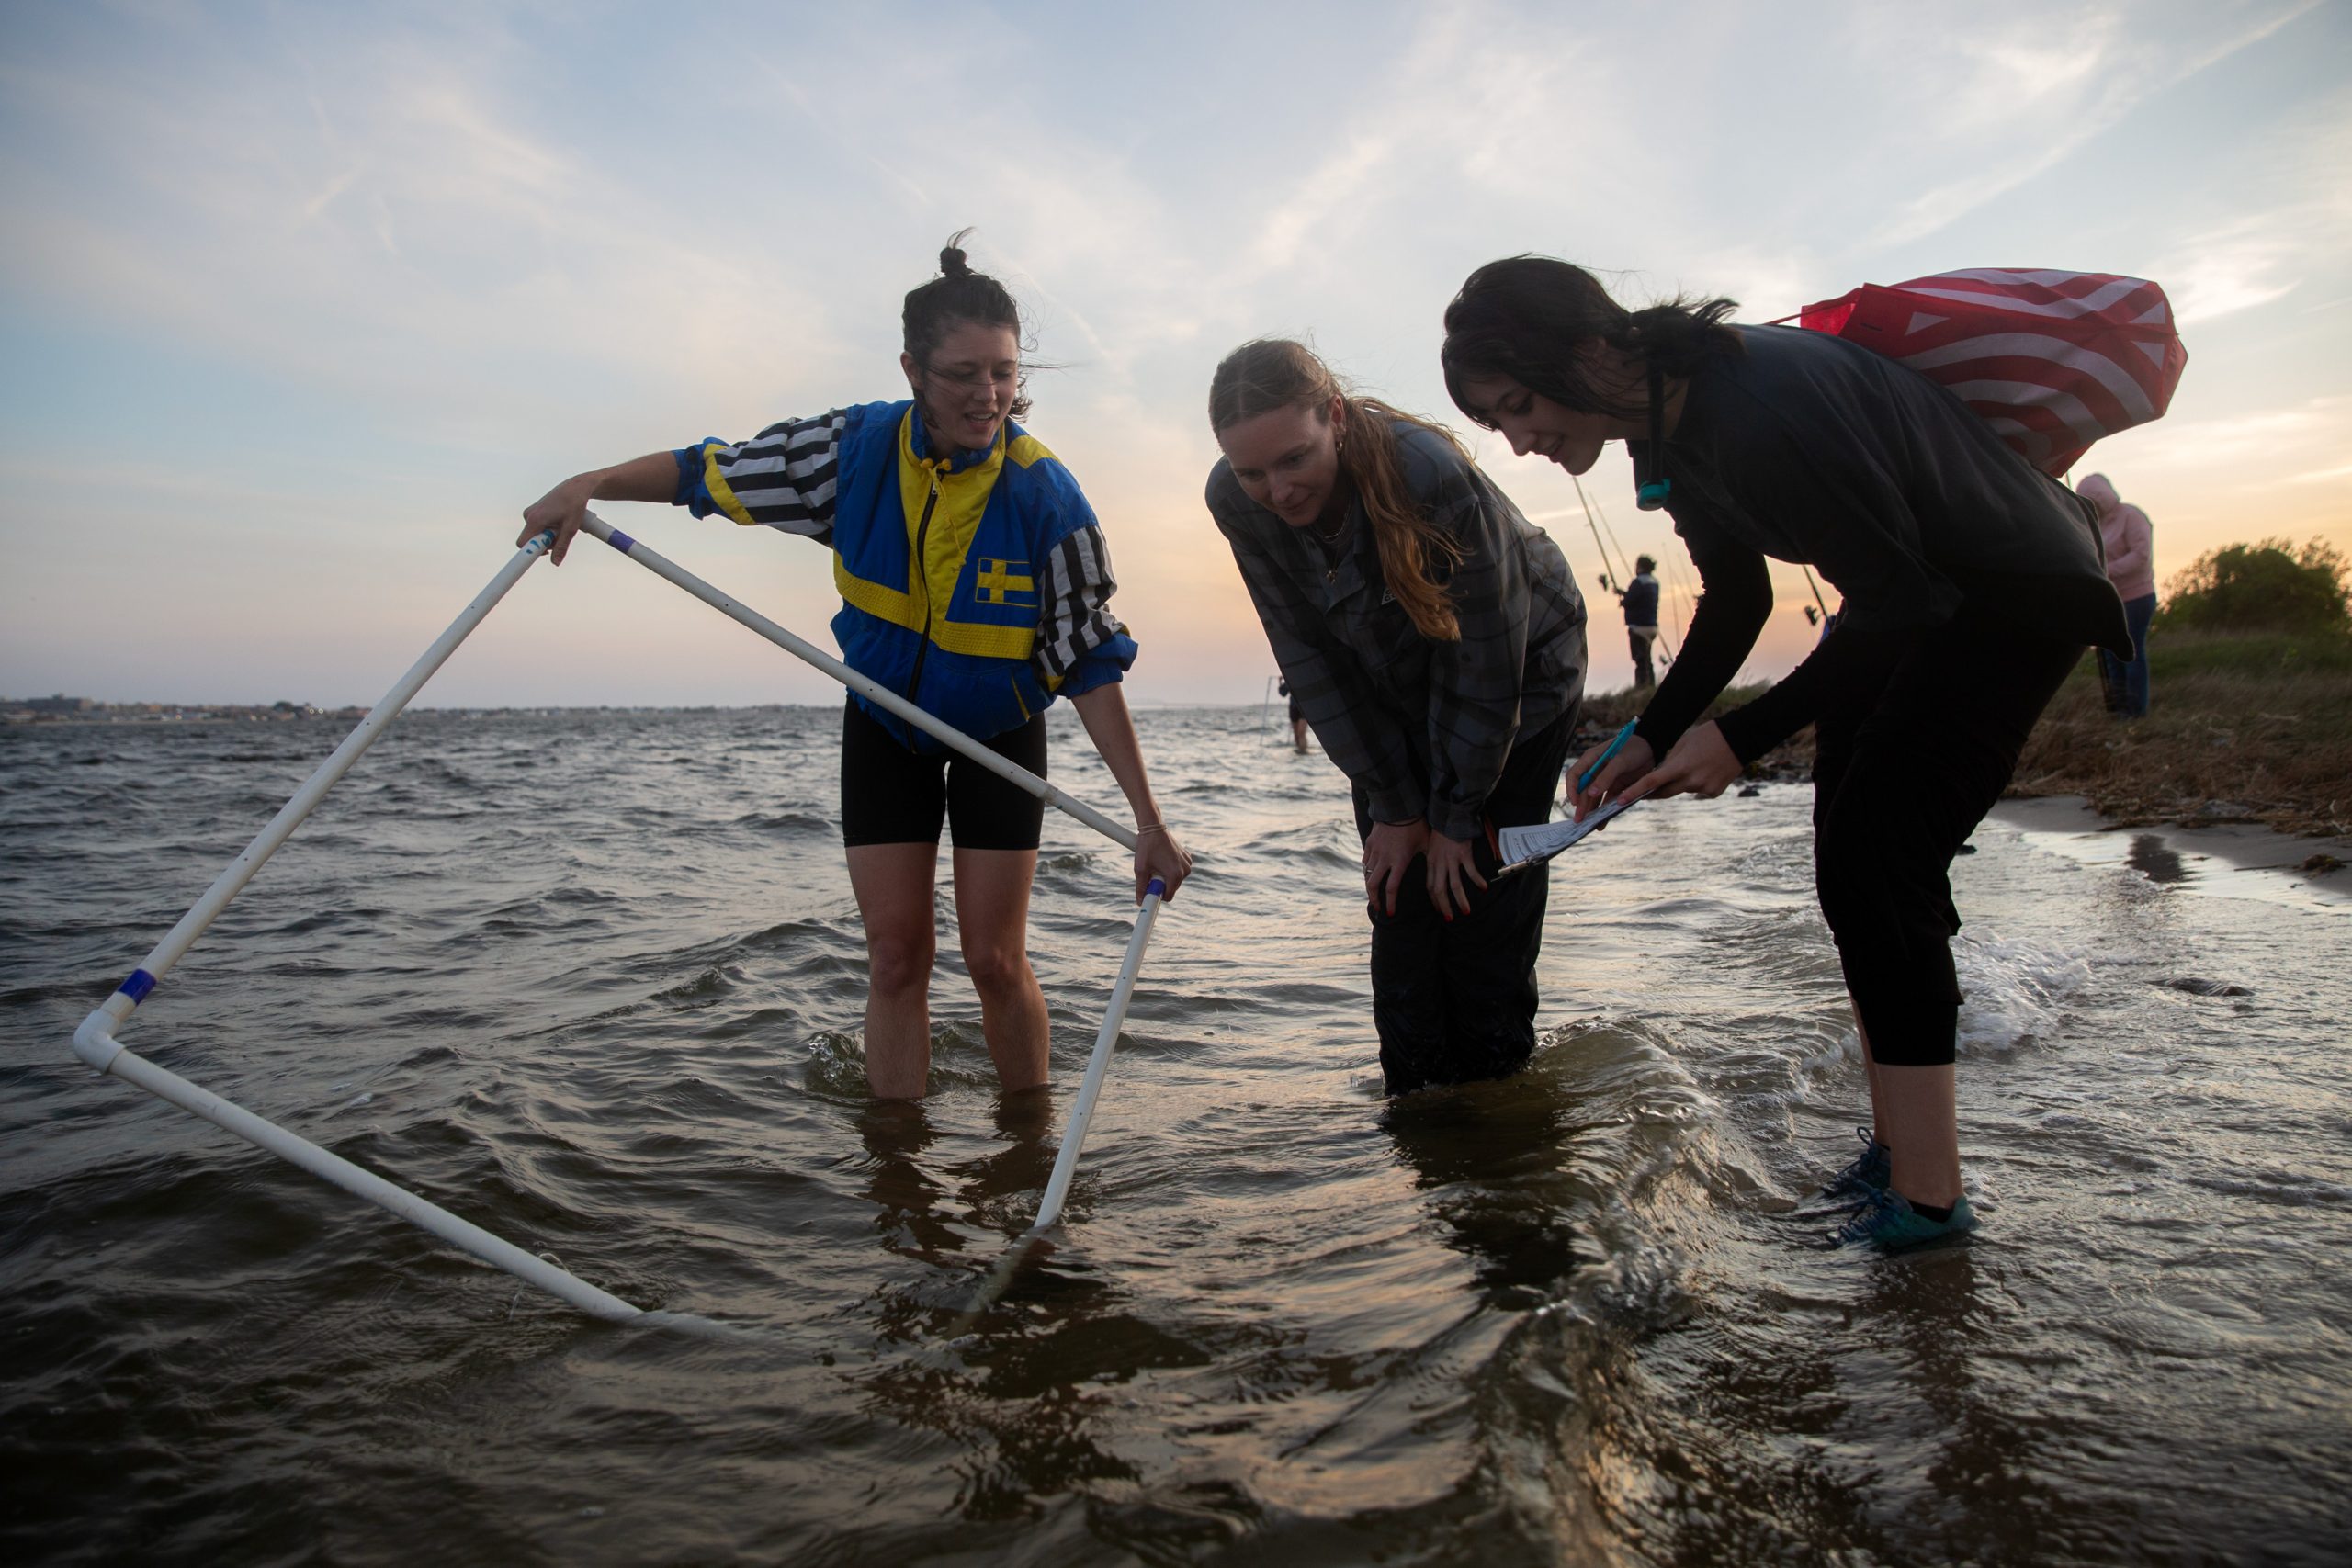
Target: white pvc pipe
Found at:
x=157, y=963
x=131, y=1067
x=1082, y=1110
x=1081, y=1115
x=866, y=686
x=95, y=1043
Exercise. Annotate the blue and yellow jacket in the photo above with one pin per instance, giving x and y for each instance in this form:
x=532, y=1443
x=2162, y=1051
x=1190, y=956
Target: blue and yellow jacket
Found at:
x=974, y=584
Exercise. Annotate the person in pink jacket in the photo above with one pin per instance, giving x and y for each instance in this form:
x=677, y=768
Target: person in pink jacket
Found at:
x=2132, y=567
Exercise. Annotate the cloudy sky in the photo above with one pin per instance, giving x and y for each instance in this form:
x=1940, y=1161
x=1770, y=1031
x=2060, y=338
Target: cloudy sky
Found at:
x=300, y=305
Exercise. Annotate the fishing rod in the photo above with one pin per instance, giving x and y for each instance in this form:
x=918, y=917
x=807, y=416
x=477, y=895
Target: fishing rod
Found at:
x=1624, y=560
x=1813, y=617
x=1607, y=578
x=1591, y=511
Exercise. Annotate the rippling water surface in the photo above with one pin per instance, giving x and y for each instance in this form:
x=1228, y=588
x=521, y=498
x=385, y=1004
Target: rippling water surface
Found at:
x=593, y=981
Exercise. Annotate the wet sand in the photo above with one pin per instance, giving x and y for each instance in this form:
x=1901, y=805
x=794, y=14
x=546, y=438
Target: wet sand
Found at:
x=2236, y=857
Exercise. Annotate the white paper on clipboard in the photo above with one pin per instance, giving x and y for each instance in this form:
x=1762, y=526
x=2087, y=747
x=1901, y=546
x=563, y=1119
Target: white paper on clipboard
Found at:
x=1534, y=844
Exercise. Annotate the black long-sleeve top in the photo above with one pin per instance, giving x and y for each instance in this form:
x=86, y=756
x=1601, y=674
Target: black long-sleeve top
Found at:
x=1809, y=448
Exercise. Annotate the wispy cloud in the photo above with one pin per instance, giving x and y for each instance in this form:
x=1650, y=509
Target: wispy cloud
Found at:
x=2031, y=93
x=2294, y=223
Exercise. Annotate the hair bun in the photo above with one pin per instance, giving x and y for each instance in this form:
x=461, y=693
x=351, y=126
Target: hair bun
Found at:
x=952, y=261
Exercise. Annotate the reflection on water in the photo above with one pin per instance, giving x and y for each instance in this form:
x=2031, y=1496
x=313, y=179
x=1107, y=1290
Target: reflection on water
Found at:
x=592, y=981
x=1491, y=1159
x=2151, y=856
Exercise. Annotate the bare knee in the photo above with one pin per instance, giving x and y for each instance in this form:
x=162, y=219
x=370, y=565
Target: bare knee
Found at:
x=997, y=968
x=897, y=962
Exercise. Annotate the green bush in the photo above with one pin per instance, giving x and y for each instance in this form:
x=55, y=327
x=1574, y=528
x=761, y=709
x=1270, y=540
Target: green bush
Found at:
x=2261, y=587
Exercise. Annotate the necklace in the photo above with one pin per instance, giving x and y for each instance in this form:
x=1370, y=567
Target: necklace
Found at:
x=1330, y=545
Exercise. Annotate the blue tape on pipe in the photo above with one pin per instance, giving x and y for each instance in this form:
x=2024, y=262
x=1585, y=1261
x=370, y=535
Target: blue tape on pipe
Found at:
x=621, y=542
x=137, y=985
x=1156, y=885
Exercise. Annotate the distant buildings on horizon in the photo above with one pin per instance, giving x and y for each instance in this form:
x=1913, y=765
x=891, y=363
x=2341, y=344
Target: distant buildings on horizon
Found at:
x=63, y=709
x=89, y=710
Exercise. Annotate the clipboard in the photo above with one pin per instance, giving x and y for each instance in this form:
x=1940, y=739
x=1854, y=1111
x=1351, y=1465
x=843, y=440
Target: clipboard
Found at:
x=1520, y=848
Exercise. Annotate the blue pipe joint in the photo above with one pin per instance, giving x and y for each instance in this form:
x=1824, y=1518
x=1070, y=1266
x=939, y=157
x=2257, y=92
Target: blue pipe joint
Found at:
x=1155, y=888
x=1651, y=497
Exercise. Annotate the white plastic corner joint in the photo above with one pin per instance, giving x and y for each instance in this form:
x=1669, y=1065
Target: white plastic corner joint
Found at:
x=94, y=1042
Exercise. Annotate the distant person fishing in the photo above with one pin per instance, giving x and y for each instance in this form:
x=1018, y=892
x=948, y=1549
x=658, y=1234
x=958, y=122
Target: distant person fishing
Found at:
x=1434, y=640
x=1639, y=601
x=2130, y=542
x=1972, y=583
x=976, y=581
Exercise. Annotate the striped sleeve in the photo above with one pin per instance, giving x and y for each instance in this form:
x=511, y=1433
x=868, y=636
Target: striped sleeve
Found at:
x=783, y=478
x=1081, y=644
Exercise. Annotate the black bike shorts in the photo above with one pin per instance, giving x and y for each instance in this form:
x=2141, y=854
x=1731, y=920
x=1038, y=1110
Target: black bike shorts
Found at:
x=892, y=795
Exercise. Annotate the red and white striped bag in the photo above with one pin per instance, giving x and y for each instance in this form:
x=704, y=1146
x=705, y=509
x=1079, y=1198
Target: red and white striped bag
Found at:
x=2051, y=360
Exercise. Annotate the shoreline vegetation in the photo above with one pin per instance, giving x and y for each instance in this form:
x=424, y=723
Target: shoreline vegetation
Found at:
x=2251, y=727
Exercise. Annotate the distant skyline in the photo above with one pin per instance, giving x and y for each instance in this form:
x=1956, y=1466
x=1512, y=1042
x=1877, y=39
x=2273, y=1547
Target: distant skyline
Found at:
x=300, y=306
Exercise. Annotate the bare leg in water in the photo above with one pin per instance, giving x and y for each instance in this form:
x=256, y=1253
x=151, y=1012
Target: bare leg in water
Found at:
x=1915, y=1111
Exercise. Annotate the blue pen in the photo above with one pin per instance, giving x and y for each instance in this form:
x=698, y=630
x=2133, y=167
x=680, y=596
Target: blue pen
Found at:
x=1602, y=760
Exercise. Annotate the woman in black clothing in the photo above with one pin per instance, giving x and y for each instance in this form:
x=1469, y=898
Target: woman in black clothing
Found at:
x=1972, y=583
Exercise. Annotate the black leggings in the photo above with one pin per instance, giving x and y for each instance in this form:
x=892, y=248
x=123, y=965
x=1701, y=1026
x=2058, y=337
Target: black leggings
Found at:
x=892, y=795
x=1899, y=784
x=1454, y=1000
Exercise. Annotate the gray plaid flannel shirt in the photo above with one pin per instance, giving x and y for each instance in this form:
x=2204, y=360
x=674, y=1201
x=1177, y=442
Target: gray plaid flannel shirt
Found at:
x=1422, y=727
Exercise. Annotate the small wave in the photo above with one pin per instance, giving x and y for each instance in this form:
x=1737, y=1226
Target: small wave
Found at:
x=2275, y=1187
x=2012, y=991
x=708, y=985
x=836, y=1065
x=786, y=822
x=2197, y=987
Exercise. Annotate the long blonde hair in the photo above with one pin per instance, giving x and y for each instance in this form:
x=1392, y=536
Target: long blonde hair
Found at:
x=1277, y=373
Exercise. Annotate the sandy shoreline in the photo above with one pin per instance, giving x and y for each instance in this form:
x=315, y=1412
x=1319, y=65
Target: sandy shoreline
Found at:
x=2223, y=857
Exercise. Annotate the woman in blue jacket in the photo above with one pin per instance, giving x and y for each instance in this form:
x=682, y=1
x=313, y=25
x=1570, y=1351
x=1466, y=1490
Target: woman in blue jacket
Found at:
x=974, y=581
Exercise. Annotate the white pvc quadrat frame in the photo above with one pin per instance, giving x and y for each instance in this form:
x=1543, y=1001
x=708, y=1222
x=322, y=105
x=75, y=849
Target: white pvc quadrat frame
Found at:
x=94, y=1042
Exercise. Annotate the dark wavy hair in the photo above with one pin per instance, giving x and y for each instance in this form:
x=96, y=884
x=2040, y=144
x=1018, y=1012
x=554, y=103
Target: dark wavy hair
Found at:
x=956, y=296
x=1525, y=317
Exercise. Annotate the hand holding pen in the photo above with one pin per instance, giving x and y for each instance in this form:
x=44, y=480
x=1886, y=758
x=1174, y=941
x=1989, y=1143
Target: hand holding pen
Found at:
x=1601, y=771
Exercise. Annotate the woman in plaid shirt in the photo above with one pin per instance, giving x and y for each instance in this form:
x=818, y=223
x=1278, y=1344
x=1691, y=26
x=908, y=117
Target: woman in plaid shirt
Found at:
x=1435, y=639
